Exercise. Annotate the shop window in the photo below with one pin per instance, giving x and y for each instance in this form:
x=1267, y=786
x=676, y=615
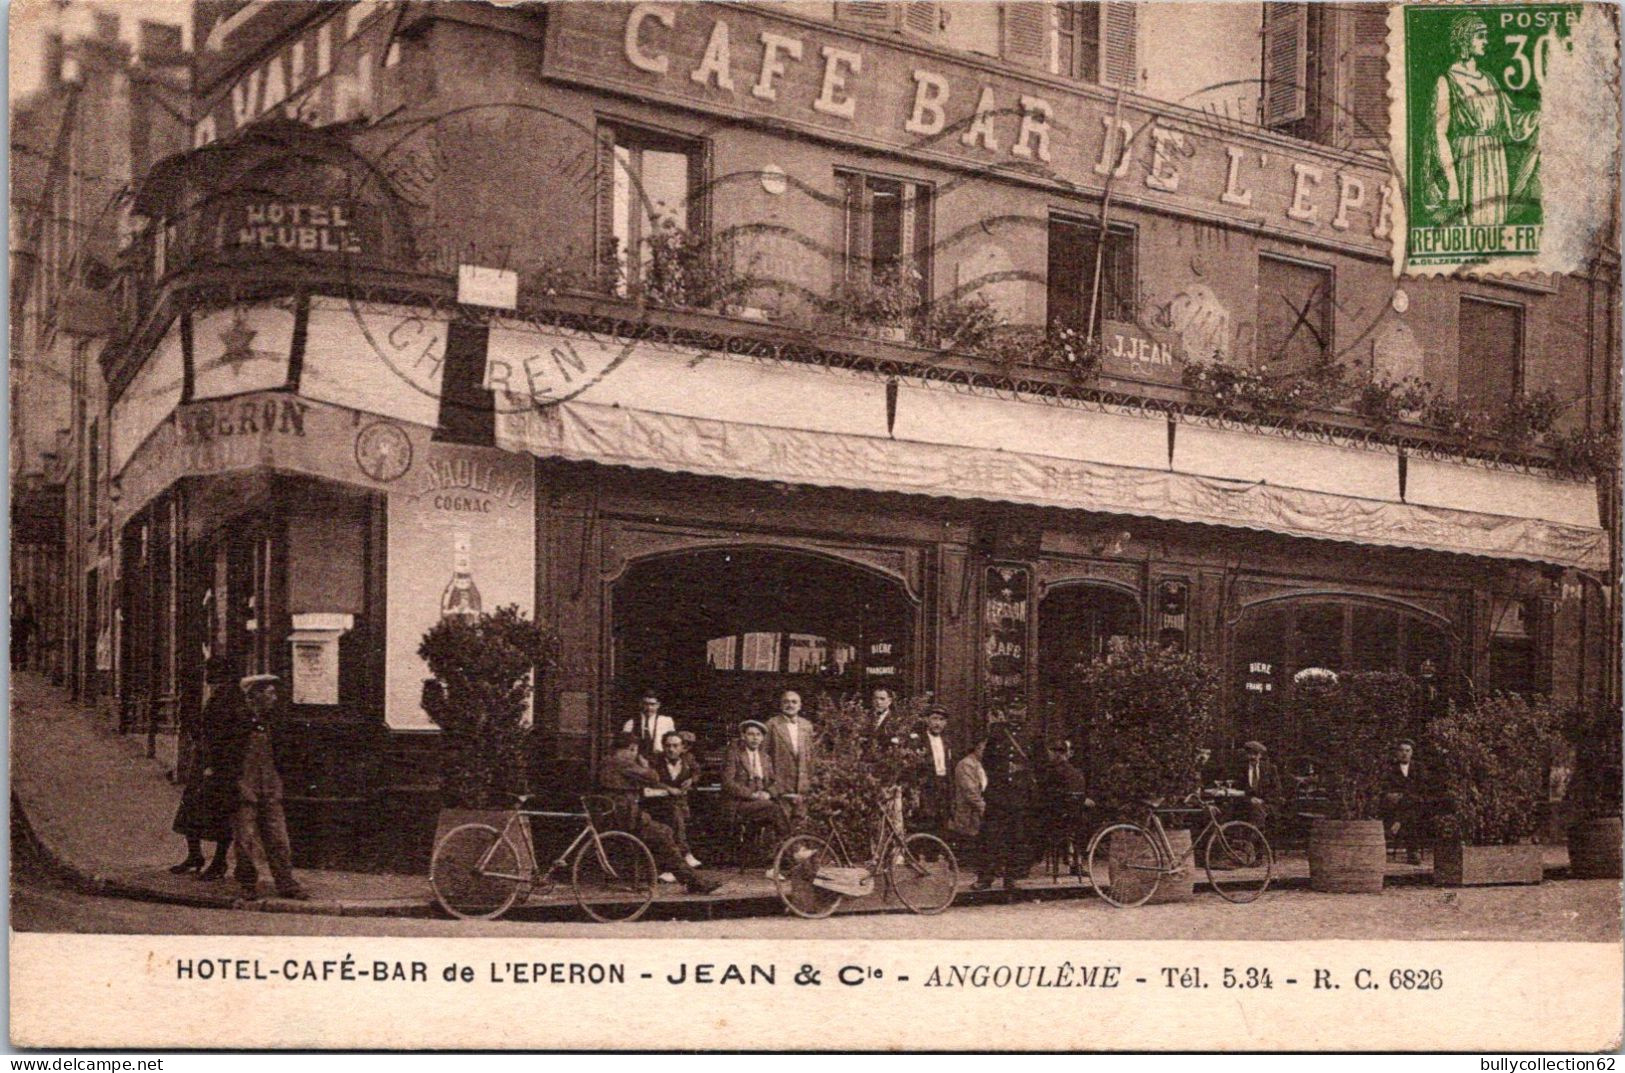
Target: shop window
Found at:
x=1490, y=351
x=1294, y=313
x=1512, y=647
x=649, y=183
x=780, y=653
x=720, y=633
x=1074, y=252
x=886, y=225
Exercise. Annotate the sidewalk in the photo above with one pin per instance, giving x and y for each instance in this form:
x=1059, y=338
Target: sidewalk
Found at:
x=100, y=811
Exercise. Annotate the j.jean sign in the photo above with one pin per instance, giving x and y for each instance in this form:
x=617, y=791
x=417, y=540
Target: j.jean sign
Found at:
x=826, y=81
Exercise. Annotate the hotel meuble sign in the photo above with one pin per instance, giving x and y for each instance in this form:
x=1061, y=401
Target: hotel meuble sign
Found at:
x=745, y=63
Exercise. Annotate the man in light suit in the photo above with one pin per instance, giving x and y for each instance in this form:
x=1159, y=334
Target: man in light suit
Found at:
x=793, y=747
x=649, y=725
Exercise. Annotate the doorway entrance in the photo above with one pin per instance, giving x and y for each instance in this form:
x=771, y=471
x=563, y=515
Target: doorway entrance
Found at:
x=1077, y=624
x=718, y=633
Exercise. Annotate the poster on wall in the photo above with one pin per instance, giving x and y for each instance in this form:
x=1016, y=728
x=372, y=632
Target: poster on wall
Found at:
x=1005, y=606
x=462, y=520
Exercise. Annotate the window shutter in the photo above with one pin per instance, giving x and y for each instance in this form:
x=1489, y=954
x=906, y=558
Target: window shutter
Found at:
x=604, y=212
x=1286, y=63
x=867, y=14
x=1024, y=33
x=1119, y=45
x=922, y=19
x=1368, y=89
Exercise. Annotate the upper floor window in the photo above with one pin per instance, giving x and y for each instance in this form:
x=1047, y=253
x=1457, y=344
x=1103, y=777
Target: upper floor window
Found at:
x=921, y=18
x=1077, y=41
x=1094, y=42
x=1294, y=312
x=1074, y=254
x=887, y=228
x=1490, y=348
x=1324, y=72
x=648, y=182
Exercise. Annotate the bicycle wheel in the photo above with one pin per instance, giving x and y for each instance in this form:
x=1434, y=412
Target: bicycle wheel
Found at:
x=614, y=877
x=475, y=872
x=794, y=869
x=1125, y=866
x=1239, y=861
x=925, y=875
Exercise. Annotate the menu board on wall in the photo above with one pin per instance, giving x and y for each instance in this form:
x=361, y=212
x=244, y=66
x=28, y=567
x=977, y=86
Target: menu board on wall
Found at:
x=1005, y=610
x=461, y=540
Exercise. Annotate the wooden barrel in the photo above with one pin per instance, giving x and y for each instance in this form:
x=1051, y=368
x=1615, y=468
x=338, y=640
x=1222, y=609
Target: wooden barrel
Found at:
x=1178, y=888
x=1130, y=883
x=1594, y=848
x=1346, y=856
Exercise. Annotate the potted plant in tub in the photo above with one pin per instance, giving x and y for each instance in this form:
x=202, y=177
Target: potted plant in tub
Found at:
x=1491, y=758
x=1146, y=714
x=1348, y=724
x=479, y=698
x=1593, y=801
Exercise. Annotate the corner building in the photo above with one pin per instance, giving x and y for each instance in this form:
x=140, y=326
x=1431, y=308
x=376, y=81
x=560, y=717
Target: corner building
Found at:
x=408, y=325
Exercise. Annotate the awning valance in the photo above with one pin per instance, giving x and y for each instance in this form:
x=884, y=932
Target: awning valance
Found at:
x=692, y=411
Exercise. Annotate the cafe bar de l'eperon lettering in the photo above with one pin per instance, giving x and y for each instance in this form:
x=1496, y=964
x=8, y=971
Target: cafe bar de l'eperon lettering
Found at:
x=811, y=346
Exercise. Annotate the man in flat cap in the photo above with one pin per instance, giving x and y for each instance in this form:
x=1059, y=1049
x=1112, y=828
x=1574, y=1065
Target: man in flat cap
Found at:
x=245, y=758
x=750, y=788
x=1260, y=782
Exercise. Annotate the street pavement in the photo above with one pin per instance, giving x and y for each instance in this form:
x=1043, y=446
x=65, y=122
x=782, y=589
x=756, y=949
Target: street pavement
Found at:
x=99, y=812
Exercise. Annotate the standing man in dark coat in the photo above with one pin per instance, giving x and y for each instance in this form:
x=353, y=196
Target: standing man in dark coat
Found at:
x=1404, y=800
x=210, y=799
x=22, y=627
x=247, y=759
x=1001, y=848
x=935, y=774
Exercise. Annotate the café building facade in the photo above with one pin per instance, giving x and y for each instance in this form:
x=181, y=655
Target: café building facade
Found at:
x=403, y=327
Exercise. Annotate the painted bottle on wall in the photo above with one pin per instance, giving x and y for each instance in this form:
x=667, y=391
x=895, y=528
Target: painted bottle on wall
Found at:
x=462, y=596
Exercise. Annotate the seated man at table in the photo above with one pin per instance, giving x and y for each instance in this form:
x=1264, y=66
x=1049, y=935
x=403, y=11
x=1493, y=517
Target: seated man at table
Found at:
x=750, y=792
x=1060, y=798
x=678, y=774
x=625, y=776
x=1259, y=781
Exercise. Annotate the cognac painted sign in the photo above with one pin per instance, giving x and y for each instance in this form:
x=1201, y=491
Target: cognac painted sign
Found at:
x=825, y=81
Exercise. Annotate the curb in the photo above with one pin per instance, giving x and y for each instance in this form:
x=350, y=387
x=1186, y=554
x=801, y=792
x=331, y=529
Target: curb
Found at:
x=93, y=883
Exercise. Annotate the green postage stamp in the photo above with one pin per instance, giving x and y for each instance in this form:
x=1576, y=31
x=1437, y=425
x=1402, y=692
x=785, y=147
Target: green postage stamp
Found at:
x=1504, y=130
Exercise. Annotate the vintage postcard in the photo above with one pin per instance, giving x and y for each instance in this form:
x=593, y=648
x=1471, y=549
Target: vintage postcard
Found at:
x=815, y=526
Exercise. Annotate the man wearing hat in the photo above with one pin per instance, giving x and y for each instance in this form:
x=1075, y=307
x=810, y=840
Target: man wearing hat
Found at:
x=1259, y=781
x=750, y=788
x=936, y=773
x=244, y=756
x=626, y=774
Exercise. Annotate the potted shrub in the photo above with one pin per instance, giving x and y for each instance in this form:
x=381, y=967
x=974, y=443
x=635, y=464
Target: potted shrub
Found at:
x=1593, y=801
x=1145, y=715
x=1349, y=724
x=1492, y=759
x=479, y=697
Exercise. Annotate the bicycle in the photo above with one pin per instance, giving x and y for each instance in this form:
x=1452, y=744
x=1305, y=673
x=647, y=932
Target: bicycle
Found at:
x=478, y=872
x=1127, y=861
x=813, y=875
